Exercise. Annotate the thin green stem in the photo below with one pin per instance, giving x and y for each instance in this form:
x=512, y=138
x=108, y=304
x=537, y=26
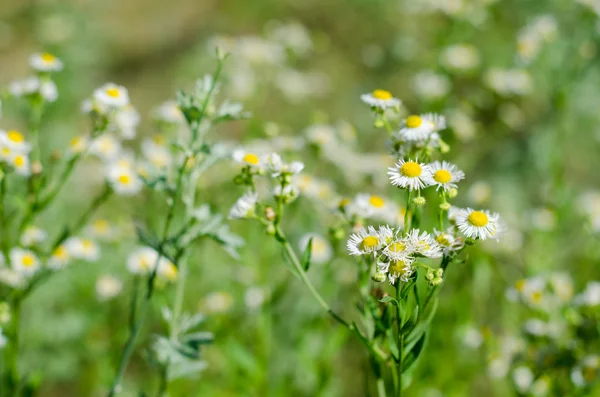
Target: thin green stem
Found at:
x=400, y=338
x=4, y=241
x=12, y=353
x=407, y=214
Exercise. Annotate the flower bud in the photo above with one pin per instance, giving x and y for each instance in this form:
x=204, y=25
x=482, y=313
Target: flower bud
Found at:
x=429, y=275
x=36, y=168
x=378, y=277
x=378, y=123
x=439, y=272
x=270, y=230
x=452, y=193
x=419, y=201
x=270, y=214
x=445, y=206
x=436, y=281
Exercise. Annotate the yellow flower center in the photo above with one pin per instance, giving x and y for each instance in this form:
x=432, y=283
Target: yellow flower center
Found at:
x=414, y=121
x=443, y=239
x=398, y=267
x=369, y=243
x=19, y=161
x=376, y=201
x=144, y=264
x=442, y=176
x=318, y=246
x=5, y=151
x=28, y=260
x=411, y=169
x=171, y=272
x=124, y=179
x=251, y=159
x=343, y=203
x=87, y=244
x=101, y=225
x=159, y=139
x=396, y=247
x=536, y=297
x=478, y=219
x=382, y=94
x=48, y=58
x=15, y=136
x=113, y=92
x=520, y=285
x=61, y=252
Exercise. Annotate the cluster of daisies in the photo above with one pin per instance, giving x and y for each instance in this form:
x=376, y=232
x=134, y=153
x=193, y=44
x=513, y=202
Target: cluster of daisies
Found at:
x=30, y=257
x=14, y=152
x=557, y=319
x=285, y=191
x=396, y=250
x=40, y=85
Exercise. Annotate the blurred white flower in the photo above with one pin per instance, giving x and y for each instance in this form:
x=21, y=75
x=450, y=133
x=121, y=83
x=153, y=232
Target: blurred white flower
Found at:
x=45, y=62
x=108, y=287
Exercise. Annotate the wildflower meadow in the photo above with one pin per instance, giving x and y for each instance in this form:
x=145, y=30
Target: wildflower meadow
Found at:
x=277, y=198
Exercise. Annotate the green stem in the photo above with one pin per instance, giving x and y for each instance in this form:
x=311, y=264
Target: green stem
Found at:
x=179, y=296
x=12, y=354
x=381, y=388
x=400, y=339
x=4, y=243
x=407, y=214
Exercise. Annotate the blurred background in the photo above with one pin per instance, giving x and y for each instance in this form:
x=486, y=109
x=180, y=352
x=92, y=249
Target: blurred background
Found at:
x=518, y=81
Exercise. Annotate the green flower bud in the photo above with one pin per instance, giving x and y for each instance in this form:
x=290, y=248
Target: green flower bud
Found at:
x=419, y=201
x=378, y=277
x=452, y=193
x=378, y=123
x=445, y=206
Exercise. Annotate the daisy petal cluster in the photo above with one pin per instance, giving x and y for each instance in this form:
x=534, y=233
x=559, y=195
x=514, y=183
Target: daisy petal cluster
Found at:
x=14, y=151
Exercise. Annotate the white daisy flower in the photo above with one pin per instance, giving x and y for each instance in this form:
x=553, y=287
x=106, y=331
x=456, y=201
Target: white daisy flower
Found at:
x=444, y=175
x=246, y=158
x=367, y=205
x=436, y=121
x=169, y=112
x=78, y=144
x=33, y=235
x=101, y=229
x=364, y=241
x=157, y=154
x=12, y=277
x=321, y=251
x=24, y=262
x=107, y=147
x=15, y=141
x=108, y=287
x=424, y=244
x=126, y=121
x=448, y=241
x=479, y=224
x=83, y=249
x=124, y=180
x=590, y=295
x=381, y=99
x=417, y=128
x=410, y=174
x=277, y=167
x=60, y=257
x=167, y=270
x=254, y=297
x=142, y=260
x=112, y=95
x=20, y=163
x=398, y=250
x=217, y=302
x=45, y=62
x=398, y=269
x=244, y=207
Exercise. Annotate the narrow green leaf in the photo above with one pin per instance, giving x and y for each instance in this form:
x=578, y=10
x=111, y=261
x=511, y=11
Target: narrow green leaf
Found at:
x=387, y=299
x=307, y=255
x=414, y=353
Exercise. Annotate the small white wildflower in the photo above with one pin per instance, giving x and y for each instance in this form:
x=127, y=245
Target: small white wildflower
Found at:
x=217, y=302
x=20, y=163
x=410, y=174
x=321, y=251
x=479, y=224
x=244, y=207
x=45, y=62
x=364, y=241
x=78, y=145
x=157, y=153
x=126, y=120
x=169, y=112
x=24, y=262
x=460, y=57
x=398, y=250
x=590, y=295
x=380, y=99
x=142, y=261
x=167, y=270
x=33, y=235
x=254, y=297
x=400, y=269
x=14, y=141
x=246, y=158
x=83, y=249
x=444, y=175
x=448, y=241
x=112, y=95
x=430, y=85
x=417, y=128
x=108, y=287
x=107, y=147
x=523, y=378
x=124, y=180
x=59, y=258
x=424, y=244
